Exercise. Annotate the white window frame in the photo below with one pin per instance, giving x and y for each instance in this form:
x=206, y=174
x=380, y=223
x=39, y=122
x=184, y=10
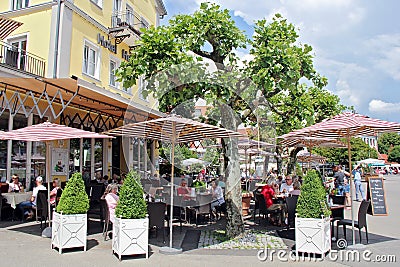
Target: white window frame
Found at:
x=130, y=14
x=144, y=23
x=117, y=64
x=98, y=3
x=13, y=4
x=142, y=83
x=97, y=58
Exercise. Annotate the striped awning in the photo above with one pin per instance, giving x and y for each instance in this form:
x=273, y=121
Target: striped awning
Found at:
x=48, y=132
x=305, y=141
x=346, y=125
x=174, y=129
x=7, y=26
x=250, y=143
x=305, y=156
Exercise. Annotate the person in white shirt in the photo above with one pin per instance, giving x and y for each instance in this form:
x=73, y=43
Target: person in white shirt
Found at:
x=217, y=195
x=25, y=207
x=288, y=185
x=14, y=185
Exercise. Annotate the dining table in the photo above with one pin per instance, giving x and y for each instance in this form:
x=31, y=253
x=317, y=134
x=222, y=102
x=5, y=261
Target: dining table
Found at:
x=15, y=198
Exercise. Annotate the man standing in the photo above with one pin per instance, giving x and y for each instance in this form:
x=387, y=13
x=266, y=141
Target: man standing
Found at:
x=25, y=206
x=339, y=180
x=357, y=173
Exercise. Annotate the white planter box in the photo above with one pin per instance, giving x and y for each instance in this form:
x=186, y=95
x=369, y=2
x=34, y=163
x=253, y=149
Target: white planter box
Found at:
x=68, y=231
x=313, y=235
x=130, y=237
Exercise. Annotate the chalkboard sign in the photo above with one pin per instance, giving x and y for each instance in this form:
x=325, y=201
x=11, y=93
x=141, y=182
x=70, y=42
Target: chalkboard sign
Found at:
x=376, y=193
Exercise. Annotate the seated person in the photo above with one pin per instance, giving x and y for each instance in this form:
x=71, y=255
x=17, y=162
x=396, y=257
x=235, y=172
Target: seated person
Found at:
x=25, y=207
x=112, y=200
x=14, y=185
x=296, y=189
x=287, y=186
x=183, y=190
x=269, y=194
x=217, y=195
x=54, y=191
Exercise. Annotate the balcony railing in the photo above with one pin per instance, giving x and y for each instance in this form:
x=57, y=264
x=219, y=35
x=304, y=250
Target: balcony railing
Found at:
x=130, y=19
x=16, y=58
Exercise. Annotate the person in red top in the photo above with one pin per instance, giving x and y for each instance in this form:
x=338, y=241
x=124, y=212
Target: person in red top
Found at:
x=183, y=190
x=269, y=193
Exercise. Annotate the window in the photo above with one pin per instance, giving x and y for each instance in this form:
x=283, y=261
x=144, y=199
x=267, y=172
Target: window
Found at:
x=19, y=4
x=16, y=53
x=129, y=15
x=117, y=6
x=91, y=60
x=142, y=85
x=197, y=113
x=113, y=68
x=98, y=3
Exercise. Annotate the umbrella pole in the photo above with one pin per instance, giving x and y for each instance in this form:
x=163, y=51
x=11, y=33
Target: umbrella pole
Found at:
x=171, y=214
x=351, y=191
x=48, y=176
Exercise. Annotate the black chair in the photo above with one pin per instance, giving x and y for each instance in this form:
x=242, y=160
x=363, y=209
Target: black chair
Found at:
x=105, y=217
x=340, y=200
x=156, y=211
x=361, y=223
x=42, y=208
x=204, y=208
x=291, y=203
x=262, y=206
x=178, y=212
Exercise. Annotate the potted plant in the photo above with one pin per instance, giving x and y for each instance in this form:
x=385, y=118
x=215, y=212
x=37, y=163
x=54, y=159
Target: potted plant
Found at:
x=130, y=230
x=246, y=198
x=200, y=186
x=312, y=223
x=69, y=228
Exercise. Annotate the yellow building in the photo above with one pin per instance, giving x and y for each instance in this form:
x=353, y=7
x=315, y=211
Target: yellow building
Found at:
x=59, y=66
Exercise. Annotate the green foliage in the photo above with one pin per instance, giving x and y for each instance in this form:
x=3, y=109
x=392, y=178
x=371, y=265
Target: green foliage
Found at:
x=312, y=200
x=387, y=141
x=394, y=154
x=74, y=199
x=131, y=204
x=359, y=151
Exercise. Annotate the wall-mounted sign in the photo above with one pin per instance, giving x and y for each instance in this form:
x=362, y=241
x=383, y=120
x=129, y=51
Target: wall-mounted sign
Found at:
x=106, y=43
x=59, y=161
x=125, y=55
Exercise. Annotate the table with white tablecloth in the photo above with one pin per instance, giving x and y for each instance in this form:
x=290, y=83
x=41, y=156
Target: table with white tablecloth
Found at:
x=15, y=198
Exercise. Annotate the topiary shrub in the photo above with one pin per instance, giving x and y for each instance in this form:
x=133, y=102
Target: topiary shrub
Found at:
x=74, y=199
x=312, y=200
x=131, y=204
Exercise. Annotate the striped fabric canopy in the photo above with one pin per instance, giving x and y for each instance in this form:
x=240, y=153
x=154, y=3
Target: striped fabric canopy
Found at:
x=305, y=141
x=346, y=125
x=173, y=129
x=305, y=156
x=47, y=132
x=7, y=26
x=249, y=143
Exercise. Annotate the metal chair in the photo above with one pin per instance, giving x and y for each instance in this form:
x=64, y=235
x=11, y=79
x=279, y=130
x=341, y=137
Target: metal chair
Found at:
x=105, y=214
x=41, y=209
x=361, y=223
x=204, y=207
x=291, y=203
x=156, y=211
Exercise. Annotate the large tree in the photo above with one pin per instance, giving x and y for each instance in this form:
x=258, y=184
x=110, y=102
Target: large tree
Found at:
x=194, y=57
x=387, y=141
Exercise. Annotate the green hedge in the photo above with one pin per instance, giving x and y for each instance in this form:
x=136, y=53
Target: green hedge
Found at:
x=131, y=204
x=312, y=200
x=74, y=199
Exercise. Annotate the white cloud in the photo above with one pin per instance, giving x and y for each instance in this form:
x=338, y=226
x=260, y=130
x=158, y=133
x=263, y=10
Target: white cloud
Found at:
x=386, y=56
x=379, y=106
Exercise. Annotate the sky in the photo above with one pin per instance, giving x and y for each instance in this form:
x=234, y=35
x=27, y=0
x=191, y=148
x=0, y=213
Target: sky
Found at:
x=356, y=44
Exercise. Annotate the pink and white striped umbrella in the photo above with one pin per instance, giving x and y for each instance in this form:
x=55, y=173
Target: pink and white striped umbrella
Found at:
x=347, y=125
x=48, y=131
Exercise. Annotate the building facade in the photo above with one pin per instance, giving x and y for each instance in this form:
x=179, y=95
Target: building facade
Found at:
x=59, y=65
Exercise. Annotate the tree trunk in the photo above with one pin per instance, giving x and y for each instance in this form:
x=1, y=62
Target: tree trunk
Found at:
x=292, y=159
x=278, y=160
x=233, y=194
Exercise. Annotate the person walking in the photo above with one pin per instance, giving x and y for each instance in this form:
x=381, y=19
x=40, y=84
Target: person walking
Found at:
x=357, y=173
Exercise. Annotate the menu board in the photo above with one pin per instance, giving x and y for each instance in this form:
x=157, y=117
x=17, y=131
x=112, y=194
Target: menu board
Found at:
x=376, y=193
